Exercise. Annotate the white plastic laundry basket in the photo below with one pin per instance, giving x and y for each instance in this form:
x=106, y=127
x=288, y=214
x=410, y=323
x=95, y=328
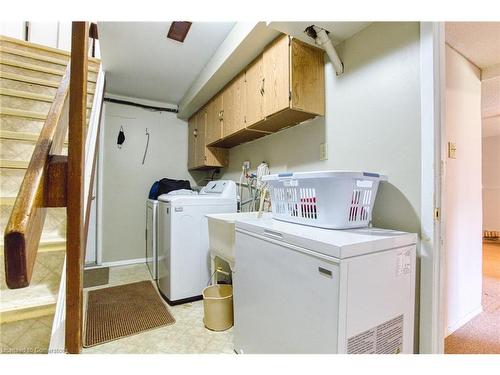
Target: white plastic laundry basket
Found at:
x=329, y=199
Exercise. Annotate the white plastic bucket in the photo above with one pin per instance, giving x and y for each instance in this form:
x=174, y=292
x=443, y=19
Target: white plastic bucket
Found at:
x=218, y=307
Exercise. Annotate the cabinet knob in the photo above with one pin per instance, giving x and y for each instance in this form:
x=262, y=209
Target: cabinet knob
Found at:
x=195, y=132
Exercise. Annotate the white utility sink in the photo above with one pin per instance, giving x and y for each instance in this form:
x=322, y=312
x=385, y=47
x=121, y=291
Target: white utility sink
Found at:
x=221, y=233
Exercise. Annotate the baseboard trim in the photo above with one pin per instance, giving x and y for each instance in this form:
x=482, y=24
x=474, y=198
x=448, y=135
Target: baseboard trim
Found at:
x=453, y=327
x=126, y=262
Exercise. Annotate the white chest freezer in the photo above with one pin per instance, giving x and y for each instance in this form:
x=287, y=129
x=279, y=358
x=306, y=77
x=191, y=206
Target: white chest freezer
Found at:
x=300, y=289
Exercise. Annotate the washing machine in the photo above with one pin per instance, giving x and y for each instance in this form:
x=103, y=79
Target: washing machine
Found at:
x=301, y=289
x=183, y=249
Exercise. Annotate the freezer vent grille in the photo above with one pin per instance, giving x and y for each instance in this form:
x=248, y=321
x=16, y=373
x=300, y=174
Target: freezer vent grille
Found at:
x=296, y=202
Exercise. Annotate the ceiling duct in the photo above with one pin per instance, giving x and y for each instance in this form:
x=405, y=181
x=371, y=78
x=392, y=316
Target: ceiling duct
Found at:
x=322, y=39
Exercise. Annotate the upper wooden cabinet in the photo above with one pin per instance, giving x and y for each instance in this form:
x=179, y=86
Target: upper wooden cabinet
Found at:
x=192, y=132
x=214, y=119
x=233, y=104
x=283, y=86
x=276, y=76
x=199, y=155
x=254, y=87
x=293, y=84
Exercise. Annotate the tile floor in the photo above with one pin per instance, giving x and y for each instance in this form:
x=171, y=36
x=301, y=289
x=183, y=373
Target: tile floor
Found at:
x=29, y=336
x=187, y=335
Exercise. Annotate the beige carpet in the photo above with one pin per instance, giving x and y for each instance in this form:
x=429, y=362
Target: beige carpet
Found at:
x=482, y=334
x=124, y=310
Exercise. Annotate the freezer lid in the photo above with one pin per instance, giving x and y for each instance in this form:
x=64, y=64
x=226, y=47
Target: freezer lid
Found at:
x=335, y=243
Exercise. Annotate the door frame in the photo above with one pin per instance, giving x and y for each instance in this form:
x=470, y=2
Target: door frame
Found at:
x=432, y=261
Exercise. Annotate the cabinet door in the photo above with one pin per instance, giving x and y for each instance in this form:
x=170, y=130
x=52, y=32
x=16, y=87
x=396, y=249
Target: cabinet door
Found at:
x=233, y=99
x=192, y=141
x=254, y=85
x=200, y=120
x=214, y=120
x=276, y=69
x=307, y=78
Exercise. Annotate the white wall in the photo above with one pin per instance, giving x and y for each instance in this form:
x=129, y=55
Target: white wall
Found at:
x=126, y=183
x=14, y=29
x=491, y=183
x=372, y=123
x=48, y=33
x=64, y=36
x=43, y=32
x=463, y=257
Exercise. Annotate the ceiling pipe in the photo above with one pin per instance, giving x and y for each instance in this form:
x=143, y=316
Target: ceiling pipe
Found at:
x=322, y=39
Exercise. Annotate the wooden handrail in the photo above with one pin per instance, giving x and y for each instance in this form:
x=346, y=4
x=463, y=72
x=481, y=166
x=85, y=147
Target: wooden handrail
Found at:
x=54, y=180
x=65, y=336
x=24, y=229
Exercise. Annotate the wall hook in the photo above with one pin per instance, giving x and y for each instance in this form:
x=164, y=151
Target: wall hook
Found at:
x=146, y=149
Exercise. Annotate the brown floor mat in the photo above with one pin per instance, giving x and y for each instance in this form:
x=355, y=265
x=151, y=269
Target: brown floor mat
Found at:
x=95, y=277
x=124, y=310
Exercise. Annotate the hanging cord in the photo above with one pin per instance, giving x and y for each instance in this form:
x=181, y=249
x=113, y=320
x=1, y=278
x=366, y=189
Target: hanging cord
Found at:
x=146, y=149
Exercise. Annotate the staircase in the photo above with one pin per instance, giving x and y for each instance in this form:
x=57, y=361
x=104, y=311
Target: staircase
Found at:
x=29, y=77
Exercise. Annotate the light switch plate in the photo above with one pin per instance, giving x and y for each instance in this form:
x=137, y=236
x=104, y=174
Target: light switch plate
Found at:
x=452, y=150
x=323, y=151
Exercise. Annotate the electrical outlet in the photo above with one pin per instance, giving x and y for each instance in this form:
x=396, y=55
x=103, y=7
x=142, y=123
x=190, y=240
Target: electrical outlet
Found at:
x=323, y=151
x=246, y=164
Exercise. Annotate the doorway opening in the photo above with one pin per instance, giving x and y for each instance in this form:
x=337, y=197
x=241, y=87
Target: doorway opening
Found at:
x=472, y=188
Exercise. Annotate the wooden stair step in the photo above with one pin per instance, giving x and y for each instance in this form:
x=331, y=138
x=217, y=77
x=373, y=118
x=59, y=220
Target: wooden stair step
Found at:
x=28, y=312
x=36, y=81
x=7, y=201
x=27, y=114
x=10, y=84
x=22, y=104
x=19, y=136
x=26, y=95
x=22, y=113
x=29, y=74
x=39, y=298
x=34, y=96
x=14, y=164
x=36, y=56
x=37, y=68
x=40, y=47
x=27, y=79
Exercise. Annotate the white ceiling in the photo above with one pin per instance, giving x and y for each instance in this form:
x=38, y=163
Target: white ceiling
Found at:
x=140, y=61
x=477, y=41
